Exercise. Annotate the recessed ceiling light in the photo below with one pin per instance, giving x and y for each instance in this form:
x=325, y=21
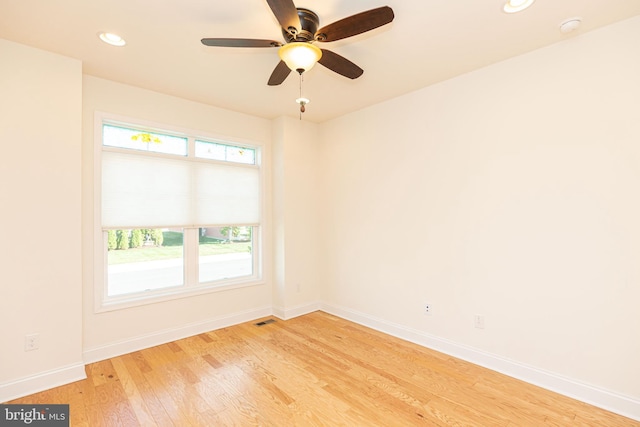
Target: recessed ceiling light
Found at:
x=513, y=6
x=112, y=39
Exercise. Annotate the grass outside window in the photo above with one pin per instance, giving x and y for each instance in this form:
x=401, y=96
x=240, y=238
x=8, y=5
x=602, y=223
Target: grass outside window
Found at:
x=172, y=247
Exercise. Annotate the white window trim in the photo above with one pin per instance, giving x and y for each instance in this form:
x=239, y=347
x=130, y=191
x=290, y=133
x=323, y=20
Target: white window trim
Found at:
x=103, y=303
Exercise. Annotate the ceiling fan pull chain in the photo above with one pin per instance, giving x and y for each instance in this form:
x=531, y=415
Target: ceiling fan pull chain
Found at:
x=301, y=99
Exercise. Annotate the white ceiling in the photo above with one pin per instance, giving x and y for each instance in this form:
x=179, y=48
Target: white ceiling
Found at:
x=429, y=41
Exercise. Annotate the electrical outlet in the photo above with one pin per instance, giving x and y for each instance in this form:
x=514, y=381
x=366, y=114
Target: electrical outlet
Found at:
x=428, y=308
x=478, y=321
x=31, y=342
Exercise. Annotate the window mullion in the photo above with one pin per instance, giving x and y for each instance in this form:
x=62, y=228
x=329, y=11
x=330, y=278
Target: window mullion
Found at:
x=191, y=147
x=191, y=256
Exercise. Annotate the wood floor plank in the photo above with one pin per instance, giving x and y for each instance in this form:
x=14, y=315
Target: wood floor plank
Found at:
x=393, y=383
x=145, y=390
x=377, y=385
x=290, y=375
x=138, y=404
x=77, y=418
x=313, y=370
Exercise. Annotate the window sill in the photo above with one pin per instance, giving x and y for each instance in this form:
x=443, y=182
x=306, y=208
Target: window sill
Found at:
x=169, y=294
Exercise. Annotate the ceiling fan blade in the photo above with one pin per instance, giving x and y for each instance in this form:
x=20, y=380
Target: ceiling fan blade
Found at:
x=340, y=64
x=280, y=73
x=355, y=24
x=240, y=43
x=286, y=14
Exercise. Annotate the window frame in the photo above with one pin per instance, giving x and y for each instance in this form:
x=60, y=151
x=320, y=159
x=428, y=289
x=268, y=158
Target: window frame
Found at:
x=191, y=285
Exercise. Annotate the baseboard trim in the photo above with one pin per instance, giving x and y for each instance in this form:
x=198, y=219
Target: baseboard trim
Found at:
x=42, y=381
x=605, y=399
x=141, y=342
x=300, y=310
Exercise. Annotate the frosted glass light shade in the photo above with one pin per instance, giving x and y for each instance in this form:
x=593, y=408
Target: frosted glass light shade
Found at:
x=300, y=55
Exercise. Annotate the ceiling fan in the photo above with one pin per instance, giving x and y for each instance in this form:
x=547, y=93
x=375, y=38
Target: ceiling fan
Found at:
x=300, y=31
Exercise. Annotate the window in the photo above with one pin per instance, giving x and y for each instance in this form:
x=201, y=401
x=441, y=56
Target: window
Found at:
x=177, y=214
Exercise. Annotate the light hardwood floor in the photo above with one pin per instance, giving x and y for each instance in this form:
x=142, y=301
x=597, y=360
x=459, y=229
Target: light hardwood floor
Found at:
x=314, y=370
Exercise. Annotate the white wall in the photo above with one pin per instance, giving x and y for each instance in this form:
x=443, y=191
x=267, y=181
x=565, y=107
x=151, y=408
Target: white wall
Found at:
x=40, y=289
x=511, y=192
x=119, y=331
x=297, y=255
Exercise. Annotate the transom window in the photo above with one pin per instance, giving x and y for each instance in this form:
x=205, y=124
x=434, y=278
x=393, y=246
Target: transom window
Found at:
x=178, y=213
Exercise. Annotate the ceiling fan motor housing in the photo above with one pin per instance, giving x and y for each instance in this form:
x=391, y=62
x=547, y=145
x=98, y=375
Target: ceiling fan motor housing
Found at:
x=309, y=23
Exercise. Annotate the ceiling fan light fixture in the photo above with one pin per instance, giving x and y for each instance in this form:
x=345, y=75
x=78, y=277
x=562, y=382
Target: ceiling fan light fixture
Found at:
x=300, y=55
x=513, y=6
x=112, y=39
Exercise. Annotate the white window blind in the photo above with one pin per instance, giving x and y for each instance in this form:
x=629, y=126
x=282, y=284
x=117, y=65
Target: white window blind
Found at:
x=148, y=191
